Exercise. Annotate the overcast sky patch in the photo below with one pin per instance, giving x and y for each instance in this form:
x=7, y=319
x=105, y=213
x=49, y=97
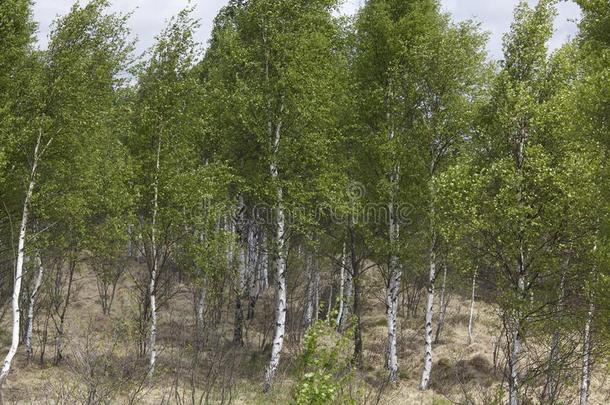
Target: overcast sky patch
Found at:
x=149, y=17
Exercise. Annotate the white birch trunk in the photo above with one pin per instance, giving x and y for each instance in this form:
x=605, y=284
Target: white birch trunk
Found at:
x=19, y=269
x=130, y=249
x=59, y=325
x=515, y=352
x=242, y=267
x=427, y=371
x=201, y=308
x=394, y=268
x=200, y=316
x=310, y=298
x=58, y=345
x=6, y=365
x=442, y=308
x=585, y=378
x=391, y=313
x=153, y=271
x=330, y=303
x=32, y=302
x=348, y=293
x=243, y=271
x=513, y=364
x=280, y=310
x=153, y=325
x=199, y=296
x=471, y=311
x=392, y=295
x=316, y=292
x=280, y=268
x=341, y=297
x=550, y=386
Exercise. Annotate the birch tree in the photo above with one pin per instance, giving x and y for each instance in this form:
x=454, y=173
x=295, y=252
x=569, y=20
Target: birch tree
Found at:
x=6, y=366
x=447, y=107
x=171, y=167
x=531, y=166
x=88, y=51
x=29, y=323
x=274, y=64
x=416, y=71
x=378, y=66
x=519, y=87
x=16, y=29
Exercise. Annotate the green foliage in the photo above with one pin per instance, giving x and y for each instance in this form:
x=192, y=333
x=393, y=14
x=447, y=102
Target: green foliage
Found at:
x=417, y=74
x=85, y=168
x=501, y=170
x=527, y=193
x=324, y=367
x=276, y=64
x=16, y=79
x=16, y=31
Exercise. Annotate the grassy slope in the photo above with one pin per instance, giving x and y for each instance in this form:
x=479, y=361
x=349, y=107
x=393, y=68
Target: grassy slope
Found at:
x=459, y=371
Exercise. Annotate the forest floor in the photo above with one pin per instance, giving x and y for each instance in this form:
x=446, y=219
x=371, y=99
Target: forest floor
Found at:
x=100, y=364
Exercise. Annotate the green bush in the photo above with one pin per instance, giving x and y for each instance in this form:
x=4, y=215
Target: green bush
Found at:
x=324, y=368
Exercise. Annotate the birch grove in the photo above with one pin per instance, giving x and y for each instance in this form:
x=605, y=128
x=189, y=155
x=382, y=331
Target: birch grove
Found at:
x=305, y=207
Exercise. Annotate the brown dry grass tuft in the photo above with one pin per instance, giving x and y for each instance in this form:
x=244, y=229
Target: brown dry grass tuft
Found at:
x=104, y=347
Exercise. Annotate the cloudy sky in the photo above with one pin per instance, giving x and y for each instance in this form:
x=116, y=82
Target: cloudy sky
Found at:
x=149, y=16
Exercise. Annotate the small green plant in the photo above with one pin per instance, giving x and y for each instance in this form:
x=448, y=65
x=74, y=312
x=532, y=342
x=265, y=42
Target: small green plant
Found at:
x=324, y=368
x=440, y=401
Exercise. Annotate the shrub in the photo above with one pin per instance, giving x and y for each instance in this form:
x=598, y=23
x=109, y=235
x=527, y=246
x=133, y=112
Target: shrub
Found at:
x=324, y=368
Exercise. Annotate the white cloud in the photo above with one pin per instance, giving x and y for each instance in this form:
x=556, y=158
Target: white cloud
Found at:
x=147, y=19
x=149, y=16
x=496, y=16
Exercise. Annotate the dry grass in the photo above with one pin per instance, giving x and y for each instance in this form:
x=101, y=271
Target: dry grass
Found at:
x=461, y=372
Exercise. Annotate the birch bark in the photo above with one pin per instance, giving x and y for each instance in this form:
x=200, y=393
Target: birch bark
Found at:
x=32, y=302
x=308, y=313
x=355, y=272
x=341, y=297
x=427, y=371
x=243, y=271
x=394, y=268
x=280, y=266
x=585, y=378
x=200, y=295
x=6, y=365
x=154, y=263
x=515, y=351
x=442, y=308
x=471, y=310
x=391, y=312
